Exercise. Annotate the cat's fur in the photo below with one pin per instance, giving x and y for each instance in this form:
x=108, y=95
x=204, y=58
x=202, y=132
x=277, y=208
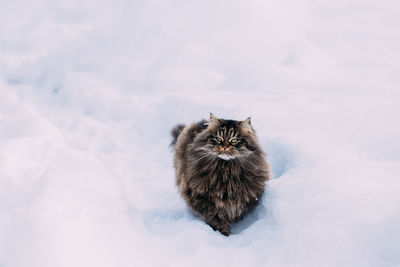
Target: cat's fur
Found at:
x=219, y=185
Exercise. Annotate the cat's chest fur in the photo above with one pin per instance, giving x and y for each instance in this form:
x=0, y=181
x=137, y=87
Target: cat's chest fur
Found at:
x=221, y=188
x=221, y=182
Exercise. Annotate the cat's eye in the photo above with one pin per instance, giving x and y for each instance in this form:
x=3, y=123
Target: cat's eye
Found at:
x=234, y=141
x=218, y=139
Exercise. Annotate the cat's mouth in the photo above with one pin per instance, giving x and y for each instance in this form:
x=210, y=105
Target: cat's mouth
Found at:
x=226, y=156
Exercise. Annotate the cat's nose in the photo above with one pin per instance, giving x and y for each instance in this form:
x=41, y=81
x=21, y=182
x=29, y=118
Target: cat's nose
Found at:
x=224, y=148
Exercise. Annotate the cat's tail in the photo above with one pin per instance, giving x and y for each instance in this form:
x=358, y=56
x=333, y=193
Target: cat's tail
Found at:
x=175, y=132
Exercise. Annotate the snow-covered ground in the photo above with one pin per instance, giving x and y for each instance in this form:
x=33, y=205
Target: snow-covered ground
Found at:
x=90, y=89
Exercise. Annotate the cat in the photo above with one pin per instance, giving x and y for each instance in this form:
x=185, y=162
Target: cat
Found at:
x=221, y=169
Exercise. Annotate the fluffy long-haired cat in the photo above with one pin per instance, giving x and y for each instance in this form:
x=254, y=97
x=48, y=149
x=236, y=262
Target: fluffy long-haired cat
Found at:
x=220, y=169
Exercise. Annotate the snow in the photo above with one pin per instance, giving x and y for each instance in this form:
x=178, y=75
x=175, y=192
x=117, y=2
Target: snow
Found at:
x=89, y=91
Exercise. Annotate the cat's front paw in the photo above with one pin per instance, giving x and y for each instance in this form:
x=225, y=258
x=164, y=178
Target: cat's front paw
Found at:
x=225, y=231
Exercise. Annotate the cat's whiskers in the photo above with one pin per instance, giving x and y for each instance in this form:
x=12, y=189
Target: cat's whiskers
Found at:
x=202, y=157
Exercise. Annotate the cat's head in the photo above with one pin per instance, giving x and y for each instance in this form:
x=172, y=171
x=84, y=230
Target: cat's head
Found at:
x=229, y=139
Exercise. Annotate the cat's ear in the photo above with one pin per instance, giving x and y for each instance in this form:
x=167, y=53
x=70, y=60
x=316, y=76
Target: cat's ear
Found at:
x=245, y=126
x=213, y=120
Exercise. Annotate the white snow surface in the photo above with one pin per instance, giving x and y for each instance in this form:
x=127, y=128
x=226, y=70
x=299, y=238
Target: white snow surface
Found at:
x=89, y=91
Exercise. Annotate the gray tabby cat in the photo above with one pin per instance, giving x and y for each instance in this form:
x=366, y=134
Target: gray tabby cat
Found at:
x=220, y=169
